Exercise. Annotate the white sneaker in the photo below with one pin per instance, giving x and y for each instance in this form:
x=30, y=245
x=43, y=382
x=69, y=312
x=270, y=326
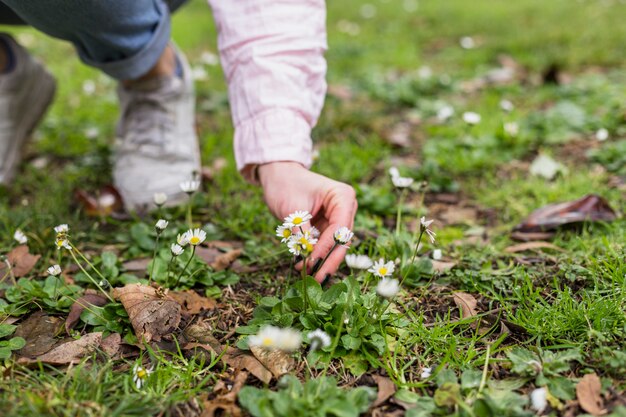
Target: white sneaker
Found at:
x=25, y=94
x=157, y=146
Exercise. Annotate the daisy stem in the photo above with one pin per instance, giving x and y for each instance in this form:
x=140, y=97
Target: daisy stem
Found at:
x=193, y=251
x=304, y=285
x=189, y=218
x=319, y=266
x=399, y=215
x=88, y=275
x=156, y=247
x=74, y=248
x=169, y=267
x=417, y=247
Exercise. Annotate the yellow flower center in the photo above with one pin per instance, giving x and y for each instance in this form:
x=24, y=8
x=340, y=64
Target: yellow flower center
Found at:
x=382, y=271
x=267, y=341
x=286, y=233
x=194, y=240
x=297, y=220
x=142, y=374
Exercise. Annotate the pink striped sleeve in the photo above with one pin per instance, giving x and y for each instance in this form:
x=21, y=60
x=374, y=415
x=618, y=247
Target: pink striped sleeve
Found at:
x=272, y=52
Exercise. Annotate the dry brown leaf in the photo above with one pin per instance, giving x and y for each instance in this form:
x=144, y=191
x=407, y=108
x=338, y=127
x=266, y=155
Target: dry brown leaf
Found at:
x=90, y=298
x=532, y=236
x=442, y=266
x=111, y=344
x=136, y=265
x=459, y=215
x=208, y=255
x=69, y=352
x=152, y=313
x=400, y=135
x=226, y=403
x=104, y=202
x=277, y=361
x=39, y=331
x=532, y=245
x=589, y=395
x=467, y=303
x=21, y=263
x=386, y=389
x=224, y=260
x=191, y=302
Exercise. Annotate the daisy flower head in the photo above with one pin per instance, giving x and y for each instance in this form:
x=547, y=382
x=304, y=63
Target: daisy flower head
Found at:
x=358, y=261
x=283, y=232
x=539, y=399
x=393, y=171
x=444, y=113
x=140, y=375
x=301, y=244
x=315, y=232
x=20, y=237
x=426, y=373
x=298, y=218
x=343, y=235
x=318, y=339
x=401, y=182
x=382, y=269
x=425, y=226
x=62, y=229
x=176, y=249
x=190, y=187
x=62, y=242
x=159, y=199
x=271, y=337
x=388, y=287
x=602, y=134
x=54, y=270
x=507, y=105
x=161, y=225
x=183, y=240
x=471, y=118
x=196, y=236
x=437, y=254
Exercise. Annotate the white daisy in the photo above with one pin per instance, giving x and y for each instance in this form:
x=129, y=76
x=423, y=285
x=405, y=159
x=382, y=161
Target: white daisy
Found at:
x=393, y=171
x=62, y=229
x=382, y=269
x=426, y=373
x=62, y=242
x=437, y=254
x=401, y=182
x=388, y=287
x=271, y=337
x=318, y=339
x=283, y=232
x=183, y=240
x=159, y=199
x=358, y=261
x=315, y=232
x=539, y=399
x=54, y=270
x=140, y=375
x=506, y=105
x=425, y=225
x=299, y=218
x=471, y=118
x=301, y=244
x=190, y=187
x=602, y=134
x=161, y=225
x=467, y=42
x=176, y=249
x=511, y=129
x=444, y=113
x=343, y=235
x=20, y=237
x=196, y=236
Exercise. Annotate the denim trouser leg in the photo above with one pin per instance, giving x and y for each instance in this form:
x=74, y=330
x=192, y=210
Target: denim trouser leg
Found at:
x=123, y=38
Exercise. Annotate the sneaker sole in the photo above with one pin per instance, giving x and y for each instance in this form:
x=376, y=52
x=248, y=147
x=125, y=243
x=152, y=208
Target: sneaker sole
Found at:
x=42, y=90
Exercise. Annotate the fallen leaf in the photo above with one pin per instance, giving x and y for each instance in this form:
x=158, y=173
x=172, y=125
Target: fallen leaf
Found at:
x=226, y=403
x=442, y=266
x=21, y=263
x=208, y=255
x=70, y=352
x=386, y=389
x=191, y=302
x=521, y=247
x=39, y=331
x=531, y=236
x=136, y=265
x=277, y=361
x=459, y=215
x=224, y=260
x=589, y=396
x=105, y=202
x=591, y=208
x=467, y=303
x=90, y=298
x=399, y=135
x=111, y=344
x=152, y=313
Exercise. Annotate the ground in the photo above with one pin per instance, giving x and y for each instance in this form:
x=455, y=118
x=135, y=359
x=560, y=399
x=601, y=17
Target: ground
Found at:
x=493, y=320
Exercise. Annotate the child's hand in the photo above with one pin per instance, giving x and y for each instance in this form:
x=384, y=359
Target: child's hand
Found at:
x=288, y=186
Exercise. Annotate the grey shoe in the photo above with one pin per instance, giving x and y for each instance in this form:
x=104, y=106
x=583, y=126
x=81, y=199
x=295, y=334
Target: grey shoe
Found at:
x=157, y=146
x=25, y=94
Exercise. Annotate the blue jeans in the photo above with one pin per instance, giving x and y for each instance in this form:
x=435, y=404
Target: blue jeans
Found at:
x=123, y=38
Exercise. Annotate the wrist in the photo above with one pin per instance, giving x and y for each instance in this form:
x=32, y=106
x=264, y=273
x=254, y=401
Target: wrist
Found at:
x=265, y=172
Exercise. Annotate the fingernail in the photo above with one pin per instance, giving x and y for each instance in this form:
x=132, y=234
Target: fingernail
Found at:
x=326, y=279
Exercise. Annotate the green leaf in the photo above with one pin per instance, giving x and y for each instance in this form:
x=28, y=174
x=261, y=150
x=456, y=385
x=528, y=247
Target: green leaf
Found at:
x=5, y=353
x=561, y=387
x=448, y=395
x=524, y=361
x=350, y=342
x=471, y=379
x=6, y=329
x=16, y=343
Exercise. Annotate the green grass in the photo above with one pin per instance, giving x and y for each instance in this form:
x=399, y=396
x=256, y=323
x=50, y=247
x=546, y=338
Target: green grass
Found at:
x=570, y=303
